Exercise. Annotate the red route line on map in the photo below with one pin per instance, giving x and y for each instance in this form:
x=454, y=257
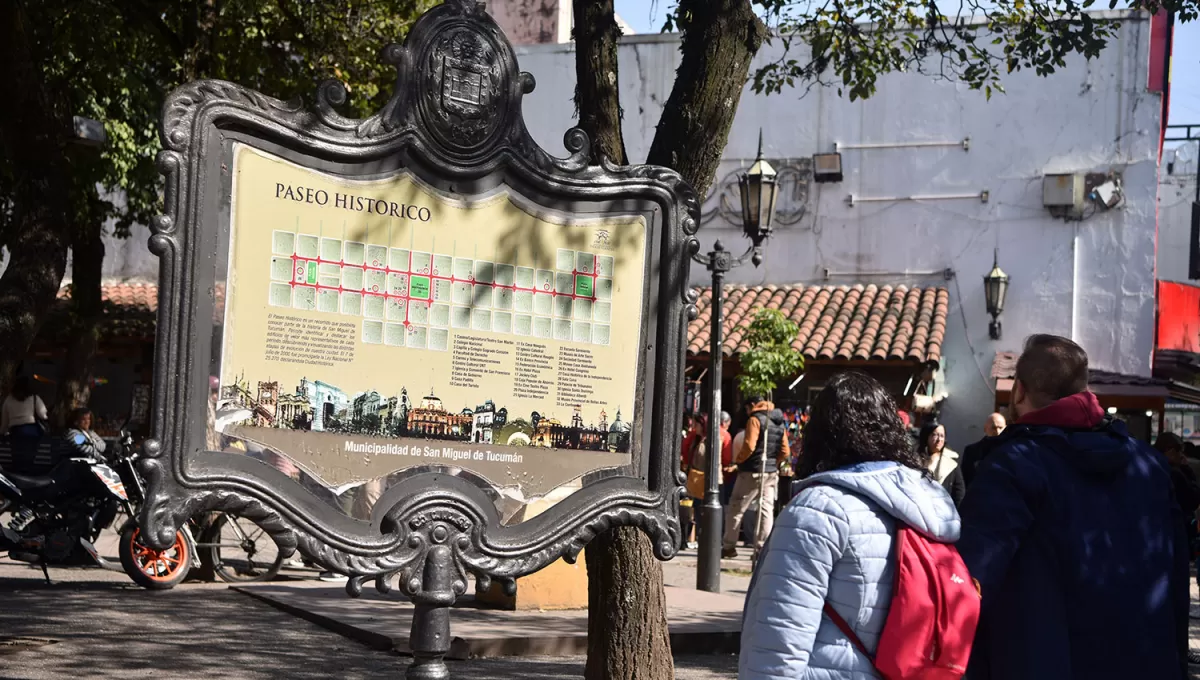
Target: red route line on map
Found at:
x=435, y=277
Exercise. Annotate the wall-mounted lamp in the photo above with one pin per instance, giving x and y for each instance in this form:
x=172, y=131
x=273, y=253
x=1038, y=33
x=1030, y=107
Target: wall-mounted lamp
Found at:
x=827, y=167
x=995, y=290
x=759, y=189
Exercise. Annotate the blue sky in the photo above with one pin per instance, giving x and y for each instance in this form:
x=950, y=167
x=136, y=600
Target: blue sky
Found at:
x=646, y=16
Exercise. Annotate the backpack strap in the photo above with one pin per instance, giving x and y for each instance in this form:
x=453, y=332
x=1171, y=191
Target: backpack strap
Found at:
x=847, y=631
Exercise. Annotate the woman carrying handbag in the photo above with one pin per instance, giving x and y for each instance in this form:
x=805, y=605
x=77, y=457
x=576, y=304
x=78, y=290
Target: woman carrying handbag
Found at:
x=22, y=419
x=695, y=460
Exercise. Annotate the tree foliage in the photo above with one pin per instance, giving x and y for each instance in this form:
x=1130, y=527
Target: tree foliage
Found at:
x=848, y=44
x=771, y=357
x=116, y=61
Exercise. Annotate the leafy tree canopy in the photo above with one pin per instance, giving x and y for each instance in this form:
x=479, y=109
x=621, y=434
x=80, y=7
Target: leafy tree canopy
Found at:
x=116, y=61
x=850, y=43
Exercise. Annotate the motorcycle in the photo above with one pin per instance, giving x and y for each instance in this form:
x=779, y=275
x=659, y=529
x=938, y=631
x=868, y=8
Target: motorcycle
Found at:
x=59, y=516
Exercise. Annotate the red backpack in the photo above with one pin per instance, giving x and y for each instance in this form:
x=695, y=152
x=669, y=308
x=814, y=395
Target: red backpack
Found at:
x=934, y=612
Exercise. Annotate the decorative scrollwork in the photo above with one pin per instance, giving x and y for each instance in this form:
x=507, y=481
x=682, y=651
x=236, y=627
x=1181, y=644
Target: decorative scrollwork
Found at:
x=794, y=179
x=182, y=107
x=162, y=512
x=456, y=115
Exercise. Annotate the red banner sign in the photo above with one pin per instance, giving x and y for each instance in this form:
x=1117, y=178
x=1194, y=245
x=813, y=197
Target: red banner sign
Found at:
x=1178, y=317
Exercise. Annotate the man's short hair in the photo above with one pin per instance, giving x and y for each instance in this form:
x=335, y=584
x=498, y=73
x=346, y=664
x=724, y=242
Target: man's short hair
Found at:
x=1169, y=441
x=725, y=417
x=1052, y=368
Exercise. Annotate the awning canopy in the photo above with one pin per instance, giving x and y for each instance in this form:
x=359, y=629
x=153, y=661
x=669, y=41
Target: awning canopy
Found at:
x=1114, y=390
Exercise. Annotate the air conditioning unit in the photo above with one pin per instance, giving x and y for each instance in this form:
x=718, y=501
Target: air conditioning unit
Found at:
x=1064, y=192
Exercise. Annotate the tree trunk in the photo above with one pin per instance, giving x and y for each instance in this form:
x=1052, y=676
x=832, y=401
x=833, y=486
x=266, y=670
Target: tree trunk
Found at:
x=720, y=38
x=627, y=622
x=597, y=94
x=33, y=125
x=87, y=260
x=627, y=609
x=627, y=612
x=201, y=56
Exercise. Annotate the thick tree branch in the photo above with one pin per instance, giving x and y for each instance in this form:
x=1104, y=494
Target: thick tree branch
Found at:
x=597, y=90
x=720, y=38
x=33, y=124
x=154, y=19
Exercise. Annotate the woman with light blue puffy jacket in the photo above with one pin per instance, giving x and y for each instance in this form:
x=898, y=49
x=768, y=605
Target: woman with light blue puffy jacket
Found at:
x=860, y=478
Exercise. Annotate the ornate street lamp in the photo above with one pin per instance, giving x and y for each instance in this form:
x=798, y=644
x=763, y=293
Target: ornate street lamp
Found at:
x=759, y=192
x=995, y=290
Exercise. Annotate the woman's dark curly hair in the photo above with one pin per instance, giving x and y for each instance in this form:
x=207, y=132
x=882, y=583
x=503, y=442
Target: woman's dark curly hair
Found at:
x=854, y=420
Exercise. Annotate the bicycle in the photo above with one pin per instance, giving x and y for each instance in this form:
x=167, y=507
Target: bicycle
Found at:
x=235, y=548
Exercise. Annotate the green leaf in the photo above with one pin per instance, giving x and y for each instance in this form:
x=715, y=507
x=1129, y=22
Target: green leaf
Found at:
x=771, y=357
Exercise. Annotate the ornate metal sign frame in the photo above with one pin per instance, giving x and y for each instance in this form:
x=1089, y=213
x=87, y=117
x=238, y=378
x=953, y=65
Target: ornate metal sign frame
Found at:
x=454, y=121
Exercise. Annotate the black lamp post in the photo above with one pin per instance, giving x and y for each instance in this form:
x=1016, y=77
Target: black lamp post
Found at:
x=995, y=289
x=759, y=191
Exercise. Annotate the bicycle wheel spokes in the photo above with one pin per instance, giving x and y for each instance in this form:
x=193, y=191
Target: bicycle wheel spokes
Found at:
x=243, y=551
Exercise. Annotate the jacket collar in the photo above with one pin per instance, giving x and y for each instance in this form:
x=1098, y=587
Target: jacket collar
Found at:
x=1077, y=412
x=947, y=453
x=763, y=407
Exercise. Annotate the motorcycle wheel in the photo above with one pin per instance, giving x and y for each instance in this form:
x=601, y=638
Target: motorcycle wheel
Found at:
x=153, y=569
x=241, y=551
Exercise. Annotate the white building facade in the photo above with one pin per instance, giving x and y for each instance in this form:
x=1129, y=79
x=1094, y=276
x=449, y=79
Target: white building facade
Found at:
x=940, y=177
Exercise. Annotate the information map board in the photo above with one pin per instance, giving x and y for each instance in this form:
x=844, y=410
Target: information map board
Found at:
x=374, y=325
x=415, y=346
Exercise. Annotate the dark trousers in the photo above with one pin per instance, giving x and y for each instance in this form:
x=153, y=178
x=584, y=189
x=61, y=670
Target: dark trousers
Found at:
x=24, y=440
x=727, y=489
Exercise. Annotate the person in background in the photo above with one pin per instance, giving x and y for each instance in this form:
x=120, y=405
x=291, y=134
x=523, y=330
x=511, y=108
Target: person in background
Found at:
x=1187, y=494
x=787, y=468
x=973, y=454
x=212, y=438
x=860, y=478
x=728, y=469
x=694, y=467
x=687, y=434
x=739, y=439
x=764, y=447
x=80, y=436
x=21, y=417
x=942, y=461
x=1073, y=532
x=1192, y=454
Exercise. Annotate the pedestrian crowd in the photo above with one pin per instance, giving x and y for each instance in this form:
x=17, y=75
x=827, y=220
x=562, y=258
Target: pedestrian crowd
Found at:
x=1057, y=547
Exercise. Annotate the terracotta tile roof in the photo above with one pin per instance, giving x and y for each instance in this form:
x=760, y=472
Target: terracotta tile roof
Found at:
x=137, y=295
x=129, y=311
x=836, y=322
x=1004, y=365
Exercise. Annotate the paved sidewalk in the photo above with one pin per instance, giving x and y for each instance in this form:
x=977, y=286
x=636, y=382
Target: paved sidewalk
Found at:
x=700, y=623
x=105, y=628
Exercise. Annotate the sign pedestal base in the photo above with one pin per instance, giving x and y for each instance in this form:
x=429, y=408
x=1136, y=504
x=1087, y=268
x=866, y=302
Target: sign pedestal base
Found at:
x=558, y=586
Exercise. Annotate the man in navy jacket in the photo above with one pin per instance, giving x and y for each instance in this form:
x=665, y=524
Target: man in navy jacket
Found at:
x=1073, y=533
